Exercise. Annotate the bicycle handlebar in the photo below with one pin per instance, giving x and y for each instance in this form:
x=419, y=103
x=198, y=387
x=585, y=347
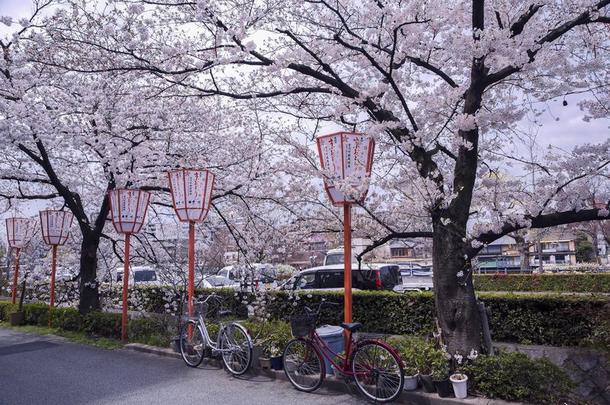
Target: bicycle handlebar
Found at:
x=212, y=296
x=323, y=303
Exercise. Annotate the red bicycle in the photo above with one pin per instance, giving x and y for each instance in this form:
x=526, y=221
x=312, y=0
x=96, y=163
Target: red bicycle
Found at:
x=373, y=364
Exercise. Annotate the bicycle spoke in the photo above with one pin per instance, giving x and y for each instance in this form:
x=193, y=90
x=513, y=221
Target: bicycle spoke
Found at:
x=192, y=344
x=302, y=365
x=235, y=349
x=377, y=372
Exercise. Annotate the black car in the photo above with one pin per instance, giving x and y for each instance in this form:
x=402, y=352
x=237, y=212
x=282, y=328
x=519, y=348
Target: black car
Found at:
x=369, y=277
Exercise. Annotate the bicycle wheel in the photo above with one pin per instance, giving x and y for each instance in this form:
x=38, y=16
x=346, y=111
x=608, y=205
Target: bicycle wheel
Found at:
x=236, y=348
x=378, y=372
x=192, y=347
x=303, y=365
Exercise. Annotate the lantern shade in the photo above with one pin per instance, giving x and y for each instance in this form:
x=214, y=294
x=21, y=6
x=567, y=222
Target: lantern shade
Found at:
x=19, y=231
x=55, y=226
x=191, y=193
x=346, y=159
x=128, y=209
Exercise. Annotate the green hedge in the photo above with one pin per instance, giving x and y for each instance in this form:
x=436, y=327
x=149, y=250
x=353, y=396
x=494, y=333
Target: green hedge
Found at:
x=573, y=282
x=151, y=330
x=546, y=320
x=516, y=377
x=541, y=319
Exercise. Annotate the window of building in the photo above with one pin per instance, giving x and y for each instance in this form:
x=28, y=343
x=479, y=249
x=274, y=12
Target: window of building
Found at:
x=399, y=252
x=492, y=250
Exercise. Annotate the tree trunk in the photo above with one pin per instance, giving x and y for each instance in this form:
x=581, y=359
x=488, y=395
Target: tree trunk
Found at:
x=456, y=307
x=89, y=295
x=524, y=252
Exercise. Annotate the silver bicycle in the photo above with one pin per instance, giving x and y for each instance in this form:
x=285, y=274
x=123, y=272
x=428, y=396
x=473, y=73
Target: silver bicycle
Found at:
x=233, y=342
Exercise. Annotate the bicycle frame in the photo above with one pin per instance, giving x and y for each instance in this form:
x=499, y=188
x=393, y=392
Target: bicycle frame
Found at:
x=345, y=368
x=331, y=356
x=214, y=345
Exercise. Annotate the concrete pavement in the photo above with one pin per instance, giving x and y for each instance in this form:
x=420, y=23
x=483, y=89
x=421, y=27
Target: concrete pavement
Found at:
x=50, y=370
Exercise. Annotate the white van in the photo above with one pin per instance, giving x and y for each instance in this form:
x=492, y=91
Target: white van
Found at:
x=139, y=275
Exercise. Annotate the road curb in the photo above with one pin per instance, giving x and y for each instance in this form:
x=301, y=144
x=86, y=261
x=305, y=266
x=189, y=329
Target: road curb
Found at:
x=333, y=384
x=159, y=351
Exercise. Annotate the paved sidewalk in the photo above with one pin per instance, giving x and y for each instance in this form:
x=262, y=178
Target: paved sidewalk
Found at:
x=50, y=370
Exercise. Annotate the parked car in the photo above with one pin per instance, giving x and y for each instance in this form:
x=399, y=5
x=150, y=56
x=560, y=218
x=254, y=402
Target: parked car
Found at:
x=414, y=277
x=140, y=275
x=219, y=282
x=369, y=277
x=257, y=274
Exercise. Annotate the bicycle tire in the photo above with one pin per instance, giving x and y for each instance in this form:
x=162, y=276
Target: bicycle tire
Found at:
x=192, y=350
x=229, y=335
x=301, y=356
x=378, y=371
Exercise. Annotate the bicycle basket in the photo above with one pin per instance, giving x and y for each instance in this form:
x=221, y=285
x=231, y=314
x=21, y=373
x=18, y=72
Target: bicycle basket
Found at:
x=302, y=324
x=199, y=308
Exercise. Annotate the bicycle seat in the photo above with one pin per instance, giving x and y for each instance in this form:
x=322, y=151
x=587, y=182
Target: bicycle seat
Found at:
x=352, y=326
x=225, y=312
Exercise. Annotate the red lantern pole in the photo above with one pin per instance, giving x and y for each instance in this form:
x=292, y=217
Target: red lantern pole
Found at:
x=55, y=226
x=128, y=209
x=346, y=157
x=347, y=260
x=191, y=192
x=16, y=275
x=191, y=287
x=52, y=298
x=125, y=289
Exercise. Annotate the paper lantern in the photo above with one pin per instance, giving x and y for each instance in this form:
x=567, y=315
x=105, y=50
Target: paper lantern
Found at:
x=128, y=209
x=55, y=226
x=191, y=192
x=346, y=160
x=19, y=231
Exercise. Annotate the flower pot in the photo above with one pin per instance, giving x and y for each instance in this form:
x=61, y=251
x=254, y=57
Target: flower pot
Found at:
x=460, y=385
x=257, y=354
x=265, y=363
x=276, y=362
x=411, y=382
x=16, y=318
x=175, y=344
x=443, y=388
x=426, y=383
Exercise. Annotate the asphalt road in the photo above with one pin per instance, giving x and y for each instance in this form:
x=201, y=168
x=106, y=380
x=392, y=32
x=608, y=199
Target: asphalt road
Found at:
x=50, y=370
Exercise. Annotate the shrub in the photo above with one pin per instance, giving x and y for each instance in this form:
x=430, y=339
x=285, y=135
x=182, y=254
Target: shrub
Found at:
x=7, y=308
x=415, y=352
x=271, y=336
x=68, y=319
x=153, y=331
x=572, y=282
x=104, y=324
x=36, y=314
x=546, y=320
x=516, y=377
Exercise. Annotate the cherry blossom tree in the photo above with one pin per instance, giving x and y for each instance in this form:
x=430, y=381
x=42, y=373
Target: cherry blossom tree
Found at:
x=453, y=92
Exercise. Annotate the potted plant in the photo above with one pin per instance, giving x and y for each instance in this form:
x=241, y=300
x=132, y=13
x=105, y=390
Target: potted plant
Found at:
x=440, y=375
x=459, y=379
x=424, y=358
x=273, y=337
x=460, y=385
x=264, y=362
x=281, y=336
x=276, y=356
x=408, y=351
x=16, y=318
